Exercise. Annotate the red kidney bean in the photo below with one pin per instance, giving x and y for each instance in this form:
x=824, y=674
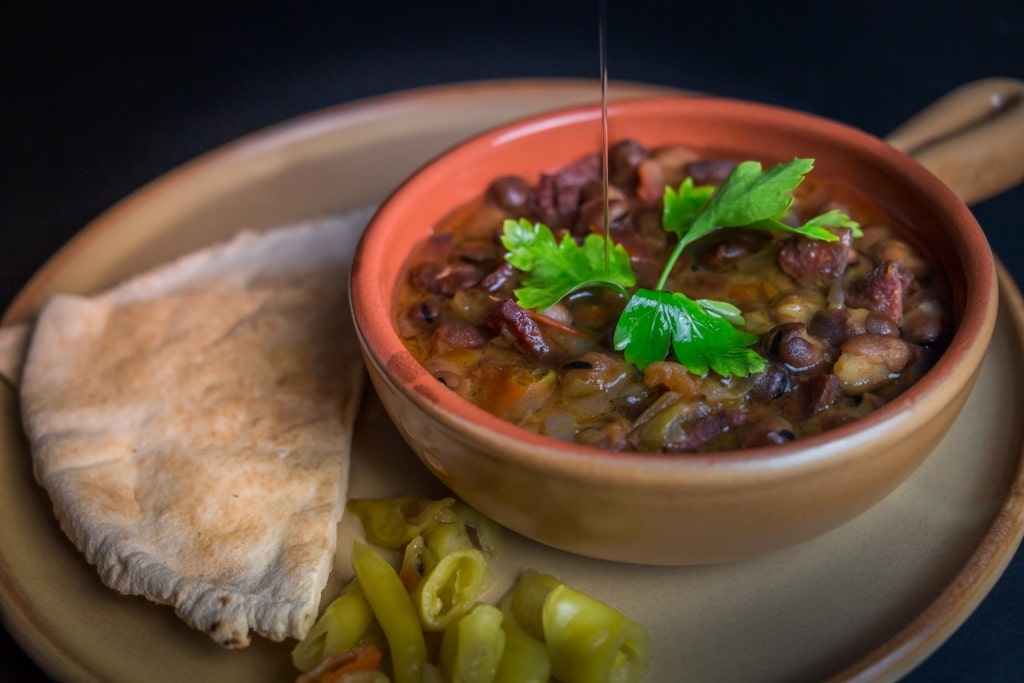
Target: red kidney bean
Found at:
x=509, y=192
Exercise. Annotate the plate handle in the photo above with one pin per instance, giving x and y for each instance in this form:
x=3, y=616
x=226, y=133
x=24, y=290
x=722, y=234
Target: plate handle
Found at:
x=971, y=138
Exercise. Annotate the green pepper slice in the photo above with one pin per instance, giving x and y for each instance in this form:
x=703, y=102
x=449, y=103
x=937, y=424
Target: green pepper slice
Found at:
x=394, y=611
x=337, y=630
x=451, y=588
x=393, y=522
x=525, y=659
x=472, y=646
x=590, y=642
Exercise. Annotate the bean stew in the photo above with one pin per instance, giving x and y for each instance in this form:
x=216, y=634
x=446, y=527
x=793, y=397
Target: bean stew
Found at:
x=842, y=326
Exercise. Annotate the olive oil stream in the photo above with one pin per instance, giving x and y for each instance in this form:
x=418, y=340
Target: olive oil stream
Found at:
x=602, y=48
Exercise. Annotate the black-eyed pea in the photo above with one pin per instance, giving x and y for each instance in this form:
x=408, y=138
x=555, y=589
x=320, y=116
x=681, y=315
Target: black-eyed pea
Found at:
x=768, y=431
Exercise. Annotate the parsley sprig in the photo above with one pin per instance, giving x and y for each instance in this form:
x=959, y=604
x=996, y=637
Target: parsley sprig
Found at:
x=554, y=270
x=702, y=334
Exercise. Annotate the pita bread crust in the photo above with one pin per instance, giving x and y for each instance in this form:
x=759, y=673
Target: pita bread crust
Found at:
x=193, y=427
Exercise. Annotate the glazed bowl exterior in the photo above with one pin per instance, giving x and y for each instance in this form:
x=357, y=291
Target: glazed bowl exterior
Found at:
x=679, y=509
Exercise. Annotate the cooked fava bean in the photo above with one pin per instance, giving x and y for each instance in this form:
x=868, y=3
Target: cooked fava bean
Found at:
x=922, y=323
x=672, y=376
x=902, y=254
x=799, y=306
x=791, y=345
x=870, y=361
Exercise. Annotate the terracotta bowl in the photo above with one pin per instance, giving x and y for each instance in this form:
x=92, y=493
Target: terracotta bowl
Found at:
x=661, y=509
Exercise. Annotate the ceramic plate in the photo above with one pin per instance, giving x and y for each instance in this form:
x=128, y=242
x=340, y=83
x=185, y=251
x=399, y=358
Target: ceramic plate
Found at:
x=871, y=599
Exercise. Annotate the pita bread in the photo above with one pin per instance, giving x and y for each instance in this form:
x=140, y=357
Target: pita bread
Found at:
x=192, y=427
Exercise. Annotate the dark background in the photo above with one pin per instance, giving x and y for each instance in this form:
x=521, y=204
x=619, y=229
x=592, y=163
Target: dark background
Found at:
x=98, y=100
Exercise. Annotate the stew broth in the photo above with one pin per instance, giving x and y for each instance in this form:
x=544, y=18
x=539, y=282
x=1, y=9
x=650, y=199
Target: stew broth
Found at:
x=844, y=326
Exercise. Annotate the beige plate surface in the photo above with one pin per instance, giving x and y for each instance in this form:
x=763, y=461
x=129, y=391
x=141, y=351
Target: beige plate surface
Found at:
x=871, y=599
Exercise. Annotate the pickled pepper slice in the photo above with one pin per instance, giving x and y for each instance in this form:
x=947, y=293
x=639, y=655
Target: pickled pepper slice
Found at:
x=395, y=612
x=337, y=630
x=451, y=589
x=472, y=646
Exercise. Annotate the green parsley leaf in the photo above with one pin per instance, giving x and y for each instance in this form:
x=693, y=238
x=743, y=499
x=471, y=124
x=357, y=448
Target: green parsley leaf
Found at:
x=700, y=338
x=556, y=269
x=723, y=309
x=816, y=232
x=816, y=228
x=681, y=206
x=835, y=219
x=749, y=195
